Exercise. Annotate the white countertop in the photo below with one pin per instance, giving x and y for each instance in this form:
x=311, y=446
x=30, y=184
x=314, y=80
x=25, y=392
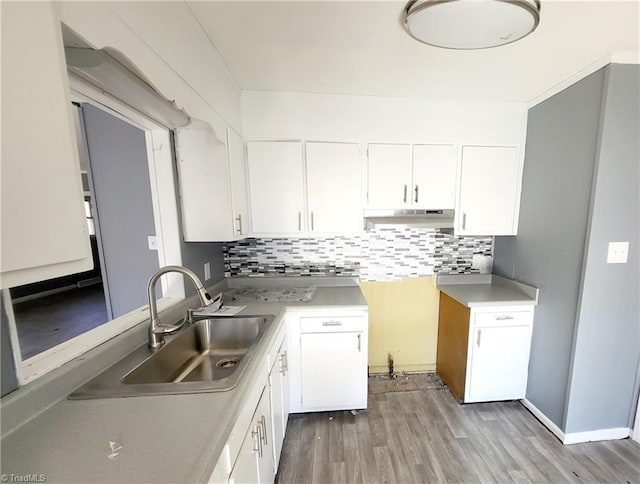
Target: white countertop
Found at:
x=486, y=290
x=172, y=438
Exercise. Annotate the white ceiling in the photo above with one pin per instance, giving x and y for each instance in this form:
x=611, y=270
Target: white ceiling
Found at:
x=360, y=48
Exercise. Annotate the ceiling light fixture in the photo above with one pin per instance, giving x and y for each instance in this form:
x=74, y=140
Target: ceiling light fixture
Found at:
x=470, y=24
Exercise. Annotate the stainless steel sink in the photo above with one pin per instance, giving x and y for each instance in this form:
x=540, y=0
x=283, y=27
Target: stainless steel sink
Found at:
x=207, y=356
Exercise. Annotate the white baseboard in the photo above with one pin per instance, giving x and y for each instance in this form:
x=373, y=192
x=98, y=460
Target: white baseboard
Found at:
x=596, y=435
x=576, y=437
x=546, y=421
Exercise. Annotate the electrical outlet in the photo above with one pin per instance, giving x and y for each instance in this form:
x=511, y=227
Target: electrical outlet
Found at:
x=207, y=271
x=153, y=242
x=618, y=252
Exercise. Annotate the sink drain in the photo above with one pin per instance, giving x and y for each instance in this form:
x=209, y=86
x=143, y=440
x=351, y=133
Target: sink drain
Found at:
x=227, y=363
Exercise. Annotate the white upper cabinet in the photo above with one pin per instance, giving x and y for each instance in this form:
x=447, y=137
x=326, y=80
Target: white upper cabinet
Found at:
x=334, y=187
x=238, y=172
x=489, y=192
x=203, y=174
x=405, y=176
x=276, y=184
x=44, y=229
x=389, y=176
x=434, y=176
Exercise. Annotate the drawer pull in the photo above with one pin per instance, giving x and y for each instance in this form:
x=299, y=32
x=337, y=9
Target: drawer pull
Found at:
x=504, y=318
x=283, y=363
x=331, y=323
x=257, y=440
x=263, y=422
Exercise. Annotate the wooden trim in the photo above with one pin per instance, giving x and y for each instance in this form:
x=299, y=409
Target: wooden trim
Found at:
x=453, y=336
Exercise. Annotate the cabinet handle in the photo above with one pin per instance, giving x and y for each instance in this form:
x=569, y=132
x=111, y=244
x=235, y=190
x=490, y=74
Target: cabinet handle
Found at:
x=312, y=221
x=299, y=220
x=239, y=219
x=263, y=422
x=331, y=323
x=504, y=318
x=404, y=197
x=359, y=342
x=479, y=338
x=464, y=221
x=257, y=440
x=416, y=189
x=284, y=364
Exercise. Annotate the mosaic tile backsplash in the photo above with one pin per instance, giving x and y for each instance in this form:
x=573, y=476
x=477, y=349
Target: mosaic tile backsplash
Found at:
x=379, y=255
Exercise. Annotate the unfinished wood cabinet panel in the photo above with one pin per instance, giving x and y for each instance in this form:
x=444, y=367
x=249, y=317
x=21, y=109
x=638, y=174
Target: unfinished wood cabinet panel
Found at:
x=453, y=334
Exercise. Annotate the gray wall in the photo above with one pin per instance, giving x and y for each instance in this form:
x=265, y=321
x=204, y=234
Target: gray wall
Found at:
x=607, y=345
x=9, y=380
x=580, y=191
x=547, y=253
x=120, y=175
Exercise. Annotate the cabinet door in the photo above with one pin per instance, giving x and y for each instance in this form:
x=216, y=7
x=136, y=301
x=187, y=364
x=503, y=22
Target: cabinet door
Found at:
x=44, y=228
x=203, y=175
x=333, y=370
x=489, y=184
x=389, y=176
x=254, y=463
x=238, y=173
x=245, y=469
x=266, y=462
x=276, y=186
x=499, y=363
x=278, y=384
x=434, y=176
x=334, y=187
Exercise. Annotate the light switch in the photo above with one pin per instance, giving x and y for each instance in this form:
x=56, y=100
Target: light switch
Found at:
x=207, y=271
x=153, y=242
x=618, y=252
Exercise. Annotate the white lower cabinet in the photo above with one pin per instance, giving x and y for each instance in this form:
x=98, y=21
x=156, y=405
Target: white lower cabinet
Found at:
x=499, y=363
x=255, y=463
x=483, y=353
x=328, y=364
x=253, y=448
x=331, y=370
x=498, y=354
x=279, y=392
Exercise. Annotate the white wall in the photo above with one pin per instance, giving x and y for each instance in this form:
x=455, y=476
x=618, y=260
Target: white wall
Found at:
x=273, y=115
x=165, y=42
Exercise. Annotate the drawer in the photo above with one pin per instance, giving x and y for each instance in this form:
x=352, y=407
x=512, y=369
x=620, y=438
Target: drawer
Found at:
x=332, y=324
x=504, y=318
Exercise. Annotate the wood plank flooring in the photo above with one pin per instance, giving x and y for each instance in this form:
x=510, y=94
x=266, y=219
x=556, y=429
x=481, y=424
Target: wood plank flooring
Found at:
x=426, y=436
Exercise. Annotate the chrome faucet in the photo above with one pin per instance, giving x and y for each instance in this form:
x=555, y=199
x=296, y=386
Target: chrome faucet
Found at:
x=157, y=331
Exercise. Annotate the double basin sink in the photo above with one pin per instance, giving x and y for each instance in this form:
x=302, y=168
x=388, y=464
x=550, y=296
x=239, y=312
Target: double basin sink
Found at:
x=207, y=356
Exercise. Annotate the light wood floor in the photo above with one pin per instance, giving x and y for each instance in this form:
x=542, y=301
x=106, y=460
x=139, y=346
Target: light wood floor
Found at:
x=426, y=436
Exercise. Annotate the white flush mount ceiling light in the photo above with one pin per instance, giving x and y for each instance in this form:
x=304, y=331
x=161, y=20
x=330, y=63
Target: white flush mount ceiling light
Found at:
x=470, y=24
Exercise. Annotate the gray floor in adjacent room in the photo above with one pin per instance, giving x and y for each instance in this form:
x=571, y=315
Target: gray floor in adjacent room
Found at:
x=415, y=431
x=48, y=321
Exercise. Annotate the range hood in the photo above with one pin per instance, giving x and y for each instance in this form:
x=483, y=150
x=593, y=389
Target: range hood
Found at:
x=414, y=218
